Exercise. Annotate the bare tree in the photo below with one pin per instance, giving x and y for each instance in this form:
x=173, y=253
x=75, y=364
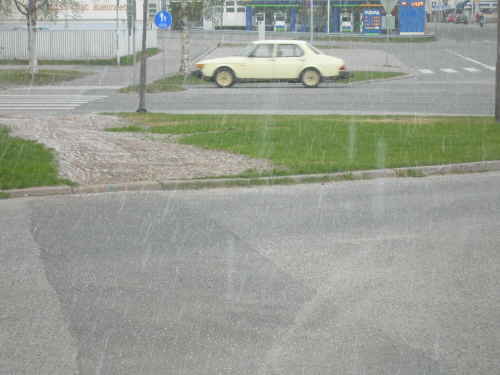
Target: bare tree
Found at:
x=37, y=10
x=192, y=10
x=184, y=13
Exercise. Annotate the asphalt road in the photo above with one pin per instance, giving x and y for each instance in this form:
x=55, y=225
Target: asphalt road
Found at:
x=384, y=276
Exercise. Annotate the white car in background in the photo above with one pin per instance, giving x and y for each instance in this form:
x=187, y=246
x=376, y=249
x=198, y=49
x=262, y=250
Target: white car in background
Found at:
x=271, y=60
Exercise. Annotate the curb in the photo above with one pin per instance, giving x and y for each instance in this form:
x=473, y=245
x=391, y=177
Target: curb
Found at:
x=486, y=166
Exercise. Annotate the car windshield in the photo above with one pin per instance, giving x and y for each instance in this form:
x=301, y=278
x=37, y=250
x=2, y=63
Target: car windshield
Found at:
x=247, y=51
x=315, y=50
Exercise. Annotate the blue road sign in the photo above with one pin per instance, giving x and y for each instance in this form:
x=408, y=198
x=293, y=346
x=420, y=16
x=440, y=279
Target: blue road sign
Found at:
x=163, y=19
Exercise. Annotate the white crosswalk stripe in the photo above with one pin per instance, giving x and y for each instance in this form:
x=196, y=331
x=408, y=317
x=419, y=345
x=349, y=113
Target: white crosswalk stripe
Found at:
x=38, y=102
x=452, y=71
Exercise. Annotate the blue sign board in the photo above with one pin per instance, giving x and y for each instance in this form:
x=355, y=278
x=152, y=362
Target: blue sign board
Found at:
x=411, y=17
x=163, y=19
x=372, y=21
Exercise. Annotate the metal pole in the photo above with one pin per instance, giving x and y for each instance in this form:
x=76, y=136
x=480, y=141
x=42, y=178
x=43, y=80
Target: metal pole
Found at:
x=497, y=80
x=312, y=21
x=435, y=22
x=133, y=40
x=387, y=40
x=30, y=36
x=142, y=89
x=134, y=59
x=117, y=34
x=163, y=47
x=328, y=17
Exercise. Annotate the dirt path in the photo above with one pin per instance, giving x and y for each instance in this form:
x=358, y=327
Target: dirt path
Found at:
x=88, y=155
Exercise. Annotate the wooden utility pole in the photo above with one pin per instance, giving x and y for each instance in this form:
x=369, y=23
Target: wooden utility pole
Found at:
x=142, y=86
x=497, y=79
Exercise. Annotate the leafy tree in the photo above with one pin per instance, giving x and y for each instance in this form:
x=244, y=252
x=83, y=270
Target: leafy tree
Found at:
x=38, y=10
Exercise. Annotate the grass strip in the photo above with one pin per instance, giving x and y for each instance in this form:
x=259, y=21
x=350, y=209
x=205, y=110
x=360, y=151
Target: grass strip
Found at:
x=168, y=84
x=124, y=60
x=25, y=163
x=327, y=144
x=374, y=38
x=42, y=78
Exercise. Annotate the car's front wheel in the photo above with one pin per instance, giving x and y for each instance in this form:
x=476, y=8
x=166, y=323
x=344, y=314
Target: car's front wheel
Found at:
x=311, y=77
x=224, y=77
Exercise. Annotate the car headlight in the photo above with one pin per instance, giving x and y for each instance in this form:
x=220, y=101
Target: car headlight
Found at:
x=199, y=66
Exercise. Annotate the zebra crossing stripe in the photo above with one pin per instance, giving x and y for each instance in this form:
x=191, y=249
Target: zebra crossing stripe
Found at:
x=38, y=102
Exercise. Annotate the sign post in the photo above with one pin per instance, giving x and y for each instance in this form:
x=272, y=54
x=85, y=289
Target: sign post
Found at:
x=163, y=20
x=388, y=5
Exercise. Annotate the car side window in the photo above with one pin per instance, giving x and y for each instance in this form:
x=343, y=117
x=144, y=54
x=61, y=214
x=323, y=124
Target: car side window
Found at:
x=263, y=50
x=289, y=50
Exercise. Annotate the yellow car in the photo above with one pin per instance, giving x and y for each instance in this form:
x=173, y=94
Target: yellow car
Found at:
x=270, y=60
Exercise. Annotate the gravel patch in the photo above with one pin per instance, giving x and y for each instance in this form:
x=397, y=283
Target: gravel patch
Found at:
x=88, y=155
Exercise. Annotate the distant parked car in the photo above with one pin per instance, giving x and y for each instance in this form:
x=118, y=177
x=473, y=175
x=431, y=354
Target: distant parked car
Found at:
x=461, y=18
x=451, y=18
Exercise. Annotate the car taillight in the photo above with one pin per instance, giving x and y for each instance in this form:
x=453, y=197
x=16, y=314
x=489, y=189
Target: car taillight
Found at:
x=342, y=67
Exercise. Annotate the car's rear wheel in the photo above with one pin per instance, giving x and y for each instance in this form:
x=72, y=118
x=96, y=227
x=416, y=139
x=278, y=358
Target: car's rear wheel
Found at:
x=224, y=77
x=311, y=77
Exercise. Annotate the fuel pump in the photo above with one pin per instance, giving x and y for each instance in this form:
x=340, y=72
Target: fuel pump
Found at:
x=279, y=22
x=346, y=22
x=261, y=25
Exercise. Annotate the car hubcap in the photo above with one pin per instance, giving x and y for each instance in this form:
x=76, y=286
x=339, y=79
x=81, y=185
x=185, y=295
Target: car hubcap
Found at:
x=311, y=78
x=224, y=78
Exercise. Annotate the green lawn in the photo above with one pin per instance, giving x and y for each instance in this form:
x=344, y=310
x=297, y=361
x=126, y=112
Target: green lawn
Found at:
x=325, y=144
x=26, y=163
x=43, y=77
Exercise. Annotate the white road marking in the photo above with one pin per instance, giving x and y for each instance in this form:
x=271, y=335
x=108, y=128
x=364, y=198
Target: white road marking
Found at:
x=473, y=70
x=38, y=102
x=426, y=71
x=471, y=60
x=449, y=70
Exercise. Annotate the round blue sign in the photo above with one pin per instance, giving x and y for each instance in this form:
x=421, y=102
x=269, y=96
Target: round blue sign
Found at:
x=163, y=19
